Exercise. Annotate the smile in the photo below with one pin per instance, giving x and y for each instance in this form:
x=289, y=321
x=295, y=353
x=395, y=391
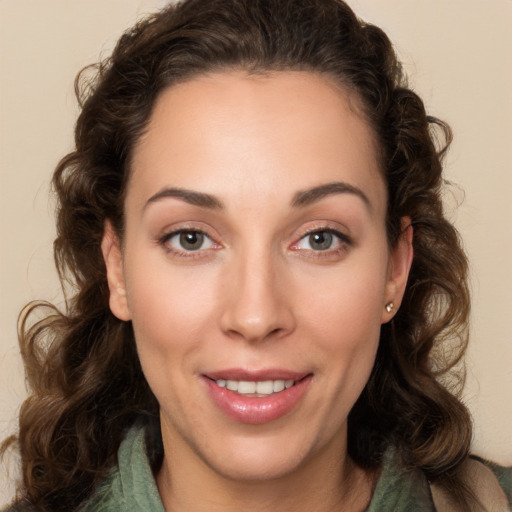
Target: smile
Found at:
x=255, y=388
x=257, y=397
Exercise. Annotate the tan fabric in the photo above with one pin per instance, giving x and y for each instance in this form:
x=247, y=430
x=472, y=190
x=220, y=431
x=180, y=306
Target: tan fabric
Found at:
x=483, y=483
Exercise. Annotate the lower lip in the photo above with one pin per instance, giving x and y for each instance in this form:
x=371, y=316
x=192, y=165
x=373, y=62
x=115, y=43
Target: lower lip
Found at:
x=257, y=410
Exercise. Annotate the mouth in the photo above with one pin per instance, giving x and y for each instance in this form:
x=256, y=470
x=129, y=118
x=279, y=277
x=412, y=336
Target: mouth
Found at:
x=255, y=388
x=257, y=397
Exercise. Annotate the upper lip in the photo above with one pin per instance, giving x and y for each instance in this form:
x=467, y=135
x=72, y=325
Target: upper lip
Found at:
x=240, y=374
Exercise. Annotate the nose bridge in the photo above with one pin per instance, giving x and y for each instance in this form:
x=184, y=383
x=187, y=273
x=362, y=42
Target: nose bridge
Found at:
x=257, y=305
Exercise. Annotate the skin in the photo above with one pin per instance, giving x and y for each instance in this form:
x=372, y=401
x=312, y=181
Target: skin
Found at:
x=257, y=294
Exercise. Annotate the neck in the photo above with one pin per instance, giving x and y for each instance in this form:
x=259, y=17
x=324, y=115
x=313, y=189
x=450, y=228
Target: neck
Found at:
x=324, y=483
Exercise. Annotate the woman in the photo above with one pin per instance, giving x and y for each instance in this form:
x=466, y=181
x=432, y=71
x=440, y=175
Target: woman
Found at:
x=264, y=280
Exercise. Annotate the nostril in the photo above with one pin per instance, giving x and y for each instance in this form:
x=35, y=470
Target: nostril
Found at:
x=253, y=310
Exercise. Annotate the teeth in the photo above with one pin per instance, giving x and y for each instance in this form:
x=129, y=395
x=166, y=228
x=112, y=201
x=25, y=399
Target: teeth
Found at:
x=278, y=386
x=245, y=388
x=264, y=387
x=232, y=385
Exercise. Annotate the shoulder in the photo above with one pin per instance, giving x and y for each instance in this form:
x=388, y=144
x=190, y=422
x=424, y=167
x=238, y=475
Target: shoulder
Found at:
x=504, y=476
x=402, y=489
x=130, y=486
x=491, y=484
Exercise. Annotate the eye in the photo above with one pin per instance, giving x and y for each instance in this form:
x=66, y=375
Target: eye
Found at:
x=322, y=240
x=319, y=241
x=188, y=241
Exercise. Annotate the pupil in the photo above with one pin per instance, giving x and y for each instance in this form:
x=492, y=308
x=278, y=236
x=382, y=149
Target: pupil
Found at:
x=320, y=241
x=191, y=240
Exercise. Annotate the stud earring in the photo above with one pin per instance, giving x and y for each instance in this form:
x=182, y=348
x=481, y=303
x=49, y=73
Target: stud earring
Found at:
x=389, y=307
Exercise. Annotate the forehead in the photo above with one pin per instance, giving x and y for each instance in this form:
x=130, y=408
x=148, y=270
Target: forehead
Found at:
x=235, y=133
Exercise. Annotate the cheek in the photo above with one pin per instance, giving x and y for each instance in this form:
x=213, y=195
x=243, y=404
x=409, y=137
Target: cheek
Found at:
x=157, y=287
x=343, y=316
x=348, y=301
x=349, y=321
x=171, y=311
x=170, y=308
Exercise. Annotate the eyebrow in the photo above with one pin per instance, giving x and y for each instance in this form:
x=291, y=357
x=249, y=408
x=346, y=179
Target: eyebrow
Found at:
x=190, y=196
x=300, y=199
x=312, y=195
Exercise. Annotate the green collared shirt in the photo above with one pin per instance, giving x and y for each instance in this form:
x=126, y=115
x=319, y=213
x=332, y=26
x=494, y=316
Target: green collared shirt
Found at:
x=131, y=487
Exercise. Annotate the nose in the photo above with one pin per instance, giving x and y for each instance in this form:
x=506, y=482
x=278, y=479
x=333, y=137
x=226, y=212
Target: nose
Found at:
x=256, y=303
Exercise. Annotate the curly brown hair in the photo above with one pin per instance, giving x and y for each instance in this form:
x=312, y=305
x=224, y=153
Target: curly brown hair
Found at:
x=87, y=386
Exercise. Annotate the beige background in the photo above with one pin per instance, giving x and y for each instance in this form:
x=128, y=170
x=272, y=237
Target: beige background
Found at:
x=458, y=55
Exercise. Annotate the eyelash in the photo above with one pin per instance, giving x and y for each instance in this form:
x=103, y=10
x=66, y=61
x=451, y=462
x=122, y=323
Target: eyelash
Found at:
x=183, y=253
x=344, y=242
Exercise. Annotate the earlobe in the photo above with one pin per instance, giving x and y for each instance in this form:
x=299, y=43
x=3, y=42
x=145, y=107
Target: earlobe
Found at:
x=398, y=273
x=112, y=255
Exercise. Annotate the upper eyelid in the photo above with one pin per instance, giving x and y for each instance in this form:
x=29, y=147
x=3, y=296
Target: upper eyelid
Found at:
x=344, y=241
x=173, y=232
x=170, y=231
x=164, y=239
x=343, y=233
x=182, y=253
x=326, y=229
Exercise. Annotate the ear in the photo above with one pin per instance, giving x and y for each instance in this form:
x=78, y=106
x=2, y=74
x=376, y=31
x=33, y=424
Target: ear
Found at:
x=112, y=255
x=398, y=270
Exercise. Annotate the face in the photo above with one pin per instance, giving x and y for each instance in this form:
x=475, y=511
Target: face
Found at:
x=255, y=269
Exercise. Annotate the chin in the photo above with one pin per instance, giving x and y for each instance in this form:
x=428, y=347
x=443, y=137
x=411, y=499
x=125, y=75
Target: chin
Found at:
x=252, y=467
x=264, y=458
